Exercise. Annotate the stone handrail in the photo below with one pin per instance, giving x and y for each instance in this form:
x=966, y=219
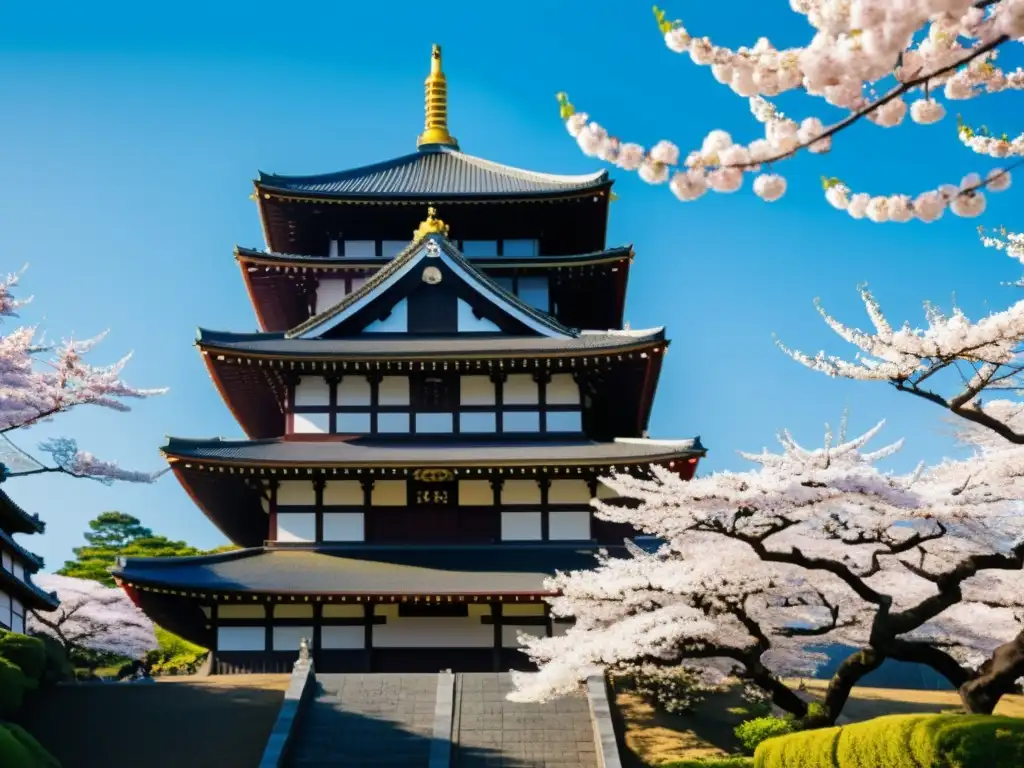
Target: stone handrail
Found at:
x=606, y=744
x=296, y=699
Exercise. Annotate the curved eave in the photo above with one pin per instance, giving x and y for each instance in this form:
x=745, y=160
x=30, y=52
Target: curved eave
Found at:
x=255, y=395
x=228, y=502
x=31, y=561
x=30, y=595
x=267, y=192
x=15, y=519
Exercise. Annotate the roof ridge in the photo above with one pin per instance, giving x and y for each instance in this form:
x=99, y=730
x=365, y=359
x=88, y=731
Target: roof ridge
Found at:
x=527, y=174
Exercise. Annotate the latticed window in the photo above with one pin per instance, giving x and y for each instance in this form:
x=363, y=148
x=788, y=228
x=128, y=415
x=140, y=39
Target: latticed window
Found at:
x=435, y=394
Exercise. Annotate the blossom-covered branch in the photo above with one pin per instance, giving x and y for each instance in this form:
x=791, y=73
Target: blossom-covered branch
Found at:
x=39, y=380
x=857, y=45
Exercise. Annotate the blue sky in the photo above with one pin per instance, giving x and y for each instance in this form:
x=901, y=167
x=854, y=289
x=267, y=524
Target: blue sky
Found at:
x=131, y=134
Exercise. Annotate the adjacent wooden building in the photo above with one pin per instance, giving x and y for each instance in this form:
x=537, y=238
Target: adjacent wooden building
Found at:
x=18, y=594
x=441, y=380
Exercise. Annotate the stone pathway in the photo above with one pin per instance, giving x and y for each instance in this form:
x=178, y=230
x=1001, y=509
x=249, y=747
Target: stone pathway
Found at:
x=489, y=731
x=368, y=720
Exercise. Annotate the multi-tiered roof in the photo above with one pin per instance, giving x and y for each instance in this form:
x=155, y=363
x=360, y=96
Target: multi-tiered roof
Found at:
x=17, y=592
x=480, y=365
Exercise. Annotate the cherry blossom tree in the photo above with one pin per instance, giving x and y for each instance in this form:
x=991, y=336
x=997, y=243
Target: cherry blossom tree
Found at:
x=927, y=51
x=758, y=570
x=93, y=617
x=39, y=380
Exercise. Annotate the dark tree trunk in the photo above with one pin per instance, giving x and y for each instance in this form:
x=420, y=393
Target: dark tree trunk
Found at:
x=849, y=673
x=782, y=695
x=996, y=677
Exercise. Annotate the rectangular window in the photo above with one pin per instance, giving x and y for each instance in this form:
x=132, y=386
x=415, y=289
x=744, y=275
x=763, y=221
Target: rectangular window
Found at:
x=521, y=421
x=393, y=390
x=393, y=423
x=354, y=390
x=520, y=526
x=342, y=638
x=353, y=423
x=434, y=423
x=564, y=421
x=19, y=571
x=520, y=248
x=476, y=390
x=360, y=249
x=288, y=638
x=241, y=639
x=391, y=248
x=569, y=526
x=343, y=526
x=311, y=423
x=312, y=391
x=296, y=526
x=471, y=422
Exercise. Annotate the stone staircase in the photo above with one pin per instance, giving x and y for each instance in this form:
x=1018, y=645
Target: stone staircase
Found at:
x=431, y=721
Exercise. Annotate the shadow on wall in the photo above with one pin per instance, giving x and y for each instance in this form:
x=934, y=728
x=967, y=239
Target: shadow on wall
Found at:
x=155, y=725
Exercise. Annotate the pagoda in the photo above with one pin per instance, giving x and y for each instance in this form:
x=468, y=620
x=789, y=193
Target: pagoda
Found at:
x=18, y=594
x=427, y=417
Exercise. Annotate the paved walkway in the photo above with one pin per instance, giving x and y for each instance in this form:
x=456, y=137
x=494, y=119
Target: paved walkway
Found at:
x=375, y=720
x=491, y=732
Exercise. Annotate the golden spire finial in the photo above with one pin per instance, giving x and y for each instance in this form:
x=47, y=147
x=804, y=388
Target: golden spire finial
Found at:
x=436, y=124
x=430, y=226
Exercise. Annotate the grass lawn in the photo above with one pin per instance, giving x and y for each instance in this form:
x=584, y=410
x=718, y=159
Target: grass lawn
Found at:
x=653, y=737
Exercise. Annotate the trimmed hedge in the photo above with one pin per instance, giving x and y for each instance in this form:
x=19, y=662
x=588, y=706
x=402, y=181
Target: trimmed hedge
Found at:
x=19, y=750
x=27, y=652
x=712, y=762
x=902, y=741
x=13, y=685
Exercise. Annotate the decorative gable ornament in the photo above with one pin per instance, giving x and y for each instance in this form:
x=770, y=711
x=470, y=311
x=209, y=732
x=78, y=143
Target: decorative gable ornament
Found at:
x=430, y=226
x=431, y=275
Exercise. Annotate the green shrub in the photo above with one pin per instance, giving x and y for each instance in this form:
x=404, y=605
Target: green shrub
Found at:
x=27, y=652
x=712, y=762
x=41, y=758
x=13, y=685
x=174, y=655
x=903, y=741
x=753, y=732
x=13, y=754
x=57, y=668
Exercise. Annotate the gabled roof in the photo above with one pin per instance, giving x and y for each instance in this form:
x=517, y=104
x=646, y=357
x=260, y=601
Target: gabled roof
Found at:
x=277, y=345
x=260, y=256
x=429, y=247
x=434, y=173
x=368, y=452
x=367, y=569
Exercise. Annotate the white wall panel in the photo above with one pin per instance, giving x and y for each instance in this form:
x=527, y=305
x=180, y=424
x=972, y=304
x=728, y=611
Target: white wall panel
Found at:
x=433, y=632
x=360, y=249
x=478, y=422
x=354, y=390
x=562, y=389
x=569, y=492
x=520, y=526
x=241, y=639
x=311, y=423
x=296, y=493
x=343, y=526
x=329, y=293
x=520, y=421
x=394, y=423
x=8, y=563
x=19, y=571
x=241, y=612
x=312, y=390
x=342, y=611
x=393, y=390
x=476, y=493
x=510, y=634
x=342, y=638
x=564, y=421
x=389, y=493
x=520, y=389
x=293, y=611
x=569, y=526
x=476, y=390
x=520, y=492
x=434, y=423
x=391, y=248
x=288, y=638
x=343, y=493
x=296, y=526
x=396, y=322
x=468, y=322
x=352, y=423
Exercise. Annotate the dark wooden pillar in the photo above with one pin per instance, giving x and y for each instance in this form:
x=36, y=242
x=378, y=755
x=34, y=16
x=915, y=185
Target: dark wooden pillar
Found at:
x=317, y=638
x=272, y=511
x=545, y=520
x=268, y=637
x=368, y=622
x=214, y=639
x=549, y=628
x=496, y=618
x=318, y=493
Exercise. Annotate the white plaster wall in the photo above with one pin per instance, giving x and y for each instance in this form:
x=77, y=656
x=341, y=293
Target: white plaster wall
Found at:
x=343, y=492
x=564, y=421
x=391, y=248
x=478, y=423
x=389, y=493
x=329, y=293
x=17, y=616
x=476, y=390
x=293, y=611
x=354, y=390
x=342, y=611
x=343, y=526
x=312, y=391
x=311, y=423
x=241, y=612
x=470, y=323
x=569, y=526
x=569, y=492
x=520, y=526
x=393, y=390
x=288, y=638
x=510, y=633
x=295, y=493
x=393, y=423
x=433, y=632
x=396, y=322
x=434, y=423
x=360, y=249
x=604, y=492
x=296, y=526
x=520, y=492
x=358, y=282
x=352, y=423
x=562, y=390
x=241, y=639
x=475, y=493
x=520, y=389
x=342, y=638
x=520, y=421
x=5, y=607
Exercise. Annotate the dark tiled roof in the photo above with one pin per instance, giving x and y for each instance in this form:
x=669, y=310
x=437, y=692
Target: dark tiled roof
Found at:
x=35, y=562
x=436, y=173
x=16, y=520
x=436, y=569
x=275, y=344
x=480, y=262
x=30, y=594
x=415, y=251
x=382, y=453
